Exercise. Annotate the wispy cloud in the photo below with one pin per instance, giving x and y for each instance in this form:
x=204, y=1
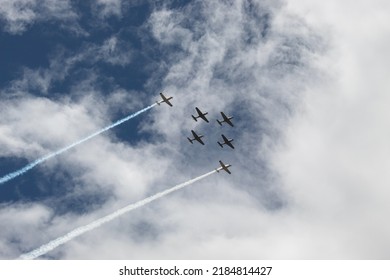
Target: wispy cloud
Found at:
x=19, y=15
x=112, y=51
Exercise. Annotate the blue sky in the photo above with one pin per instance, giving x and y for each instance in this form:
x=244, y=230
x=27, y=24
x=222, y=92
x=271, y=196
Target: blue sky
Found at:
x=293, y=75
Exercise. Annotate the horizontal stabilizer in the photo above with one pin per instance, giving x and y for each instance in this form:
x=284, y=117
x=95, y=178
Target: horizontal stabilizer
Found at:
x=194, y=118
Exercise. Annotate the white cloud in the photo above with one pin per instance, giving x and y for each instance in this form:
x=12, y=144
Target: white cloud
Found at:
x=336, y=156
x=115, y=8
x=20, y=219
x=113, y=51
x=18, y=15
x=109, y=8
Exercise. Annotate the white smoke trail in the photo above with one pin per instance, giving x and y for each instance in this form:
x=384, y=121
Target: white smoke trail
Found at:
x=23, y=170
x=97, y=223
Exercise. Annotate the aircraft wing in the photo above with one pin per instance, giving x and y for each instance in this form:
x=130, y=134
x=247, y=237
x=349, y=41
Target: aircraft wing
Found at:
x=230, y=145
x=229, y=122
x=200, y=140
x=224, y=138
x=198, y=111
x=204, y=118
x=194, y=134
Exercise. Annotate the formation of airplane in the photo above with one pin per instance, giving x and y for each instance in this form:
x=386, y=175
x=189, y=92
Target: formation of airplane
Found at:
x=226, y=119
x=224, y=167
x=200, y=115
x=226, y=141
x=164, y=99
x=196, y=137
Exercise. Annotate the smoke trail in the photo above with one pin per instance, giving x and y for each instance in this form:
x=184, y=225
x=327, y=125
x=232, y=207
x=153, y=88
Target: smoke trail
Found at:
x=97, y=223
x=23, y=170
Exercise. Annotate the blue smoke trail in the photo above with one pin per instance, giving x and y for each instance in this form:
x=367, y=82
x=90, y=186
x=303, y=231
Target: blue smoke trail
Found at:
x=23, y=170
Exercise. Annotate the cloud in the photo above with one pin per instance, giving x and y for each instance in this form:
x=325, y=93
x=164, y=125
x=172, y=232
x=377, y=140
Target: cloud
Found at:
x=104, y=9
x=20, y=219
x=334, y=159
x=112, y=51
x=108, y=8
x=19, y=15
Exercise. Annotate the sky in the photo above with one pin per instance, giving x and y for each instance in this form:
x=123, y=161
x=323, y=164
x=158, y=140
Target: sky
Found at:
x=305, y=80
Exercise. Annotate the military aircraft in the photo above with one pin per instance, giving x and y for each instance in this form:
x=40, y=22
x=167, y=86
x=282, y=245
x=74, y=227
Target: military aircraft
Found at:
x=164, y=99
x=226, y=119
x=226, y=141
x=196, y=137
x=200, y=115
x=224, y=167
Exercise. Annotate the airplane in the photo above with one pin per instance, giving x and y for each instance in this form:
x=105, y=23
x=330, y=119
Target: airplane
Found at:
x=225, y=119
x=200, y=115
x=164, y=99
x=226, y=142
x=224, y=167
x=196, y=137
